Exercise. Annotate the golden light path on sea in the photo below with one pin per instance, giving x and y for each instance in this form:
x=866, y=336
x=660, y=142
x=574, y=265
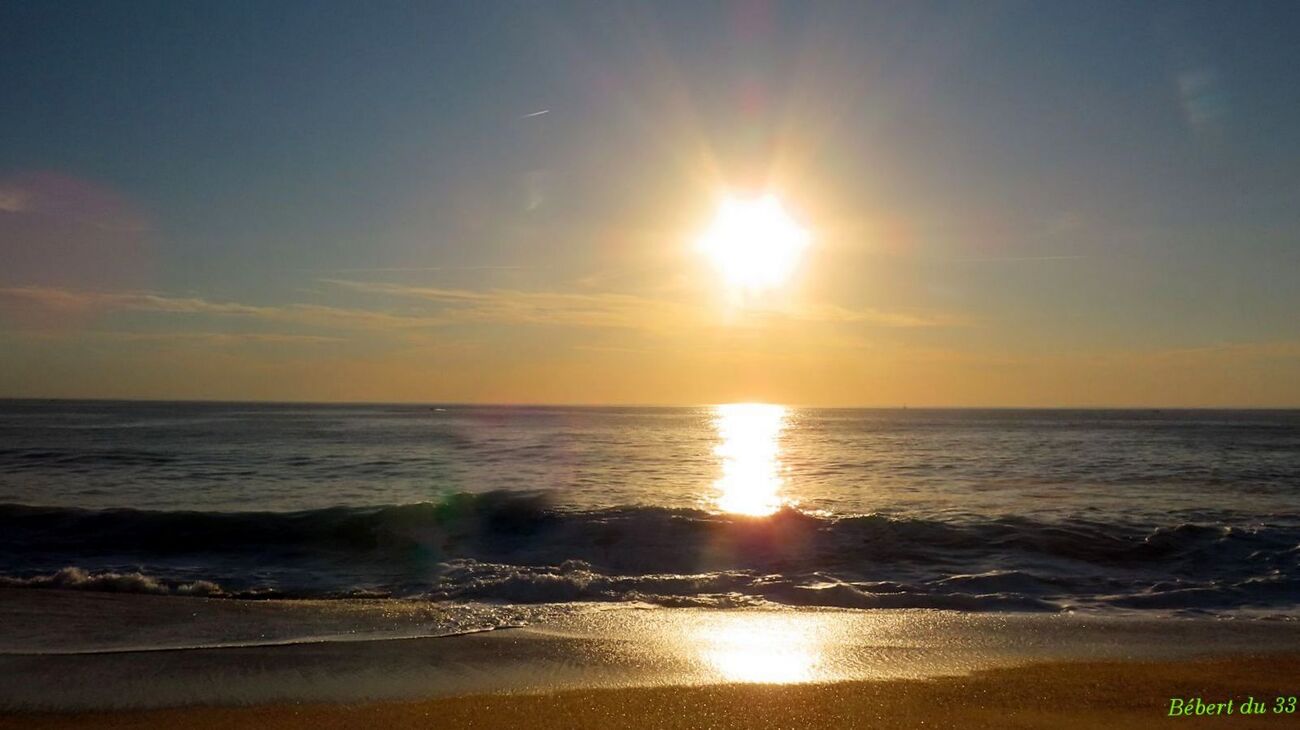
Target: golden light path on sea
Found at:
x=750, y=450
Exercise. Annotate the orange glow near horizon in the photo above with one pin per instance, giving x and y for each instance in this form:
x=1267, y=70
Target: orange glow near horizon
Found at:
x=750, y=450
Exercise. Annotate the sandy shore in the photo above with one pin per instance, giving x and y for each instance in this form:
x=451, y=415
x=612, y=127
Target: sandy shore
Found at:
x=1047, y=695
x=119, y=661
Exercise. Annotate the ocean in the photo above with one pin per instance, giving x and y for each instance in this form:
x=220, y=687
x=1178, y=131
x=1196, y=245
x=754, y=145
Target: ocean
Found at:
x=495, y=512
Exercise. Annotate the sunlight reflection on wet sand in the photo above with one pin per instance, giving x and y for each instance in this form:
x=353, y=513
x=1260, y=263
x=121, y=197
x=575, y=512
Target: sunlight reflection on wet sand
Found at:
x=766, y=648
x=598, y=646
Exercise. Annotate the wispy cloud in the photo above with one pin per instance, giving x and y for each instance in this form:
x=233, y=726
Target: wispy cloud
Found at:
x=1012, y=259
x=12, y=200
x=435, y=307
x=173, y=336
x=1273, y=349
x=1205, y=99
x=835, y=314
x=221, y=338
x=71, y=300
x=69, y=199
x=621, y=310
x=67, y=300
x=503, y=305
x=404, y=269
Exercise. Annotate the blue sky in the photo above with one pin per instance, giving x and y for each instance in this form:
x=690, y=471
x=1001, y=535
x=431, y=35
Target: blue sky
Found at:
x=1025, y=203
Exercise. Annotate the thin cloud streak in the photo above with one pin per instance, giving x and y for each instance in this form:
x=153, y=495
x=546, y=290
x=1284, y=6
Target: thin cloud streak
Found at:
x=621, y=310
x=508, y=306
x=448, y=307
x=210, y=338
x=400, y=269
x=66, y=300
x=1002, y=259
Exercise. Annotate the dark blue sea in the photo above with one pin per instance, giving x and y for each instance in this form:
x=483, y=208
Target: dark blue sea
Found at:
x=736, y=505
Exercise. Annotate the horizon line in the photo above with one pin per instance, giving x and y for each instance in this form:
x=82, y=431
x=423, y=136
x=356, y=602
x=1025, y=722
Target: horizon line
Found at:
x=594, y=405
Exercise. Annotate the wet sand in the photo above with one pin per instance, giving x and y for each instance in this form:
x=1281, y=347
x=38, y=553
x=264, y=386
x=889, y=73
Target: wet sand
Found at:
x=1039, y=695
x=71, y=659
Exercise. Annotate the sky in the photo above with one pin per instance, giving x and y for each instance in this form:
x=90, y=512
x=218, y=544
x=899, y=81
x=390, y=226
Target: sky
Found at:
x=1009, y=203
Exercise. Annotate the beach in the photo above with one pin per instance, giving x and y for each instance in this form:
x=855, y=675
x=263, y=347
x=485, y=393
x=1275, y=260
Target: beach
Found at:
x=627, y=666
x=1046, y=695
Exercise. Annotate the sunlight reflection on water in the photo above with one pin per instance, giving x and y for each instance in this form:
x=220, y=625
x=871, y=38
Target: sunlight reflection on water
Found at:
x=750, y=450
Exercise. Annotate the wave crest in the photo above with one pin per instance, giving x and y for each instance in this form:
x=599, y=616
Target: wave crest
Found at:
x=520, y=547
x=74, y=578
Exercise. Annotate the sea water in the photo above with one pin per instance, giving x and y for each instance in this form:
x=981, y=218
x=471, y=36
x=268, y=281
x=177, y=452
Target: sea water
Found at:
x=712, y=506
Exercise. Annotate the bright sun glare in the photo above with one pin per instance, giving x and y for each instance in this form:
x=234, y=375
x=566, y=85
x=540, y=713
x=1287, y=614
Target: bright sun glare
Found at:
x=750, y=449
x=754, y=243
x=763, y=648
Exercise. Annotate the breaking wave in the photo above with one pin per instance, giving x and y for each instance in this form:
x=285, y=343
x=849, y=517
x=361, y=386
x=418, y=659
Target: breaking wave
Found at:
x=520, y=548
x=74, y=578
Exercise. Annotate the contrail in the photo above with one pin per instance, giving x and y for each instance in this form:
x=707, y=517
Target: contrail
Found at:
x=417, y=268
x=536, y=114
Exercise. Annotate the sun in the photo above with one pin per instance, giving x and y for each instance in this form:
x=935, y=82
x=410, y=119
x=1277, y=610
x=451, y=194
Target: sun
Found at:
x=754, y=243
